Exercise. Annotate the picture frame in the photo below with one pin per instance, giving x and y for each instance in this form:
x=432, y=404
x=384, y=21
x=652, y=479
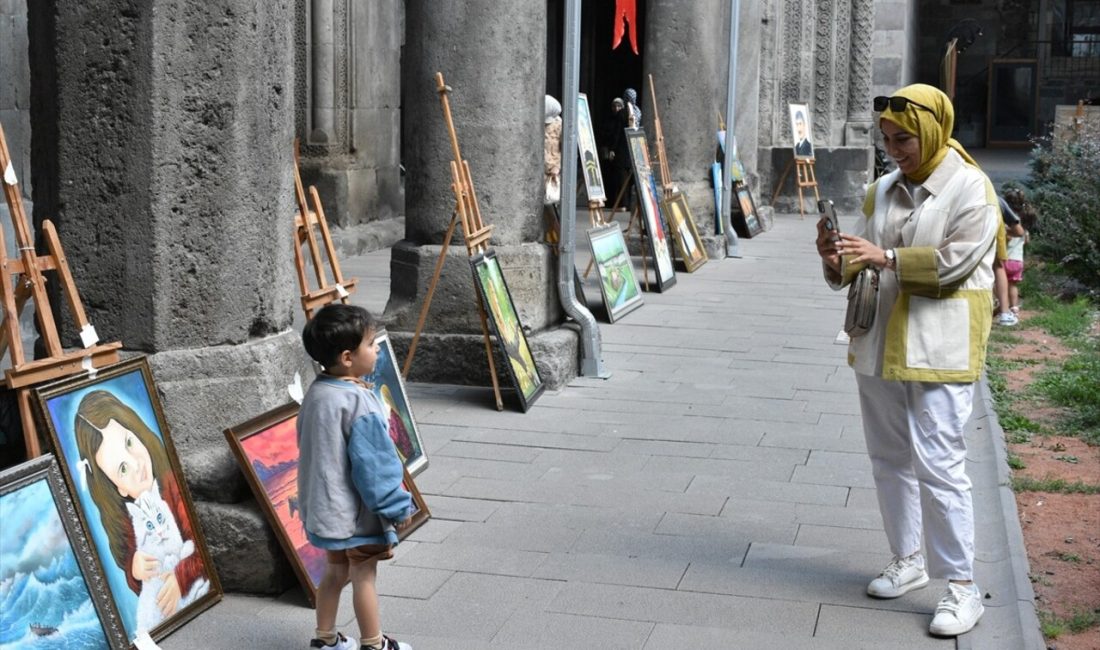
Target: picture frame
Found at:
x=746, y=221
x=684, y=232
x=615, y=271
x=389, y=386
x=801, y=131
x=116, y=454
x=659, y=250
x=586, y=147
x=266, y=449
x=56, y=593
x=504, y=319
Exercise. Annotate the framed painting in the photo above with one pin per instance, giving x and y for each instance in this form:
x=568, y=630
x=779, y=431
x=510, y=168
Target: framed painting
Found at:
x=266, y=448
x=586, y=146
x=651, y=211
x=116, y=454
x=746, y=222
x=390, y=388
x=615, y=270
x=800, y=131
x=506, y=326
x=682, y=226
x=52, y=591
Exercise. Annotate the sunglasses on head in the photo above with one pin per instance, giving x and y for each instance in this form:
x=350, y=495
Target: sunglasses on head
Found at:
x=896, y=104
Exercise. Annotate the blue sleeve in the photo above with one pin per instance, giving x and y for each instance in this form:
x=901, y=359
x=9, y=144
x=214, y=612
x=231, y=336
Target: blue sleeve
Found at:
x=376, y=468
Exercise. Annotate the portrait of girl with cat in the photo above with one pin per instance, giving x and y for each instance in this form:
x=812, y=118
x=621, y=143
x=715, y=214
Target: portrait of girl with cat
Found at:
x=128, y=475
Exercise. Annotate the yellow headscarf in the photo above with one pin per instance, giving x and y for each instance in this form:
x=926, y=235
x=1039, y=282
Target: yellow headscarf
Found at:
x=932, y=127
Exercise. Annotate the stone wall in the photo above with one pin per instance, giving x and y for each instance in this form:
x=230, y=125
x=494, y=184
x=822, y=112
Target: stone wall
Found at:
x=15, y=88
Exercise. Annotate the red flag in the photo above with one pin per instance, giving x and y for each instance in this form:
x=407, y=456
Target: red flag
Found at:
x=625, y=10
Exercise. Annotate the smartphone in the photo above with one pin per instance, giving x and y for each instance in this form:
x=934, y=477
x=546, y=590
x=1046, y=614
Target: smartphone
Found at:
x=828, y=213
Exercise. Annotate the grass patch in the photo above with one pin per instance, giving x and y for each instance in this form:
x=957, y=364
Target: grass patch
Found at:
x=1054, y=627
x=1074, y=385
x=1015, y=462
x=1056, y=485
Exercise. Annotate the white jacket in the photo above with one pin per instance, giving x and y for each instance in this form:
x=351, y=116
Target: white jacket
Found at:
x=935, y=310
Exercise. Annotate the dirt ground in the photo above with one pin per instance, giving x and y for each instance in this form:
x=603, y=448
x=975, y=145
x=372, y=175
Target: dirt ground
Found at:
x=1061, y=531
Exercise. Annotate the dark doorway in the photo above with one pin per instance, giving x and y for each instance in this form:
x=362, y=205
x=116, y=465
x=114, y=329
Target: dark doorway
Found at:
x=604, y=73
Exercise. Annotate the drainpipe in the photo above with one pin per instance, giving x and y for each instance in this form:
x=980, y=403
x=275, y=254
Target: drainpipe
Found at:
x=591, y=363
x=733, y=244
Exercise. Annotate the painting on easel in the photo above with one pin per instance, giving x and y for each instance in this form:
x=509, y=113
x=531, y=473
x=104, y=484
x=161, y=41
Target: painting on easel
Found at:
x=615, y=269
x=800, y=132
x=651, y=210
x=504, y=318
x=586, y=145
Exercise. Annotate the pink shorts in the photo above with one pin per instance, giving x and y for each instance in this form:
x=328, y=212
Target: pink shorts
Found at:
x=1014, y=269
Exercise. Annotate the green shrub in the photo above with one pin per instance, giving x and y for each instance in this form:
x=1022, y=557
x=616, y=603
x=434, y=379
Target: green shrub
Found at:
x=1065, y=189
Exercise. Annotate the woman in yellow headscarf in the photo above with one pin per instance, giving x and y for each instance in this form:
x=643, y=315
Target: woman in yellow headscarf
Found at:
x=929, y=227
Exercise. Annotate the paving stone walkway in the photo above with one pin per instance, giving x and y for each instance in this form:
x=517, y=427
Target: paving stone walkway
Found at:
x=714, y=492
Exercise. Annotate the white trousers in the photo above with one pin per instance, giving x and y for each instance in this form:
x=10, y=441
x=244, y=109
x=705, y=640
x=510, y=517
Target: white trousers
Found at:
x=914, y=434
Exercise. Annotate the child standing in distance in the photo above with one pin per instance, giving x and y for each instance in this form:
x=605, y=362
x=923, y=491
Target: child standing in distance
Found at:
x=350, y=478
x=1014, y=264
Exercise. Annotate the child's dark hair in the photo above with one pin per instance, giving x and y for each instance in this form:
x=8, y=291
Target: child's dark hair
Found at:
x=1016, y=198
x=335, y=328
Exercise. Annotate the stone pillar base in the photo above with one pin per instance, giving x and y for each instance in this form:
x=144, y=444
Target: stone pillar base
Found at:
x=354, y=195
x=204, y=391
x=842, y=175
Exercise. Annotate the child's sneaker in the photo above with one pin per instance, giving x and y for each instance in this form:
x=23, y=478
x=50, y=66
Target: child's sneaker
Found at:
x=901, y=576
x=341, y=643
x=958, y=611
x=1007, y=319
x=388, y=644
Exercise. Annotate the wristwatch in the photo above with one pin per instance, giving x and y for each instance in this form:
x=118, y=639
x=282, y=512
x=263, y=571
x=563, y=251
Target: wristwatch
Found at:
x=891, y=258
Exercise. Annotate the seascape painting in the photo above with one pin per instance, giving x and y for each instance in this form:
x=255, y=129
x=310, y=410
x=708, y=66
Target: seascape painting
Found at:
x=45, y=597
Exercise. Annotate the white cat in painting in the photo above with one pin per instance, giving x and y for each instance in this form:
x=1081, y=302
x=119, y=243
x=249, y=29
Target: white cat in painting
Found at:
x=157, y=534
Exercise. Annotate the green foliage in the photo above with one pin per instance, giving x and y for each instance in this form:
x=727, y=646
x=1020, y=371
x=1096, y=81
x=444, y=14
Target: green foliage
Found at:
x=1055, y=485
x=1015, y=462
x=1075, y=385
x=1054, y=627
x=1065, y=189
x=1058, y=318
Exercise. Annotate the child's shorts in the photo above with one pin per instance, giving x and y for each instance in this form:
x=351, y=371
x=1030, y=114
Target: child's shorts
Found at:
x=360, y=554
x=1014, y=269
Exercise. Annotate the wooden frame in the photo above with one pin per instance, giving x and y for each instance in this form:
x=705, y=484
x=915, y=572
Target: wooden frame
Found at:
x=746, y=222
x=118, y=410
x=651, y=211
x=682, y=226
x=41, y=532
x=615, y=270
x=586, y=147
x=504, y=318
x=266, y=448
x=388, y=385
x=801, y=140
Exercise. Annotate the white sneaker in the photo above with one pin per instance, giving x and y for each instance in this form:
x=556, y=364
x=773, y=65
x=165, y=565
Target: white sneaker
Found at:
x=1007, y=319
x=902, y=575
x=958, y=611
x=341, y=643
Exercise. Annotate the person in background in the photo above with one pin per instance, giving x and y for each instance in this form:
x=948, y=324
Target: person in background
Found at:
x=929, y=226
x=1015, y=202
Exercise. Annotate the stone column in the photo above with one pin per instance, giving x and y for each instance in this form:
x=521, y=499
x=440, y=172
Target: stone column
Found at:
x=349, y=116
x=15, y=86
x=818, y=53
x=495, y=62
x=687, y=53
x=165, y=162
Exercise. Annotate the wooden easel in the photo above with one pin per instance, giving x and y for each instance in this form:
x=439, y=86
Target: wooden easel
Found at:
x=804, y=177
x=23, y=280
x=325, y=292
x=474, y=231
x=662, y=155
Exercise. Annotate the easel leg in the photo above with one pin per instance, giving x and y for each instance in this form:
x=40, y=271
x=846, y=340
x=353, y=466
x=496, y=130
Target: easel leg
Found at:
x=431, y=292
x=782, y=179
x=26, y=414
